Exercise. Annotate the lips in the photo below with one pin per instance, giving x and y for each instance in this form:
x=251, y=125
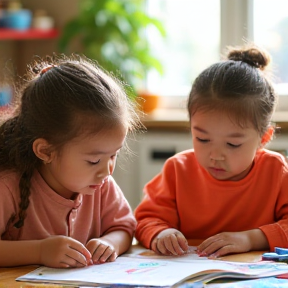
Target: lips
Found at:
x=217, y=169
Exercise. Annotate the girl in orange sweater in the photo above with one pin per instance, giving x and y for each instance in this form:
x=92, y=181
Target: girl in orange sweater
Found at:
x=228, y=190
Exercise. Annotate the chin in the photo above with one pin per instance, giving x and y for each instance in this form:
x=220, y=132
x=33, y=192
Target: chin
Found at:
x=220, y=178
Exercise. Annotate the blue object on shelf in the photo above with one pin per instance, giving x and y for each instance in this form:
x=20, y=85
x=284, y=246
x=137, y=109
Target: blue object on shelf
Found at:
x=18, y=19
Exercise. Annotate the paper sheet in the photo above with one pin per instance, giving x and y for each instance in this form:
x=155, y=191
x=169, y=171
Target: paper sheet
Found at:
x=137, y=271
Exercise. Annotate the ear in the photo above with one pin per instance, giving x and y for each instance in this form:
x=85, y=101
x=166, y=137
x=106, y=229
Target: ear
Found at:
x=43, y=150
x=267, y=135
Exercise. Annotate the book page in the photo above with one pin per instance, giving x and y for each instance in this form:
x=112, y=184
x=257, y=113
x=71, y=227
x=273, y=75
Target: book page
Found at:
x=153, y=272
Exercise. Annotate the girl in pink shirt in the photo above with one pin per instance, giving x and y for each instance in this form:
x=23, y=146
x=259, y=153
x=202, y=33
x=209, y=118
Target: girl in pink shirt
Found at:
x=59, y=205
x=228, y=190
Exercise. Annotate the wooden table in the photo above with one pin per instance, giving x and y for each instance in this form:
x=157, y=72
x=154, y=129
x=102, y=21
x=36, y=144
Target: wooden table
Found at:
x=8, y=275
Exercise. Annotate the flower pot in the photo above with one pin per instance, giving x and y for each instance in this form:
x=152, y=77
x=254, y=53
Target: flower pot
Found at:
x=148, y=101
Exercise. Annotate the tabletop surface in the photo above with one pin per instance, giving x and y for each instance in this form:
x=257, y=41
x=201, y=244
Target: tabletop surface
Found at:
x=8, y=275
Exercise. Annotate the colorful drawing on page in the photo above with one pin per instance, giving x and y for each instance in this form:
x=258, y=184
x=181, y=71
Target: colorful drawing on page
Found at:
x=144, y=267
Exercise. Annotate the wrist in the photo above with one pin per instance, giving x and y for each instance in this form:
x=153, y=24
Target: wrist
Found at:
x=258, y=240
x=38, y=249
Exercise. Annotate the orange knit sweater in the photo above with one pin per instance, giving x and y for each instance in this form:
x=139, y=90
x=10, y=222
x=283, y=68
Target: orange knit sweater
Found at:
x=184, y=196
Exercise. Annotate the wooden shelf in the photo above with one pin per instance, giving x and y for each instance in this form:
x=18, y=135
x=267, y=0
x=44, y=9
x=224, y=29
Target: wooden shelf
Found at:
x=30, y=34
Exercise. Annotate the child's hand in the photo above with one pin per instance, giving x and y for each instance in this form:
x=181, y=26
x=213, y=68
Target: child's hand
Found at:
x=63, y=252
x=170, y=242
x=101, y=251
x=233, y=242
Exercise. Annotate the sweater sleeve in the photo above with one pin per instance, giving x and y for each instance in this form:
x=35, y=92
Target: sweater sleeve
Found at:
x=116, y=213
x=158, y=209
x=277, y=233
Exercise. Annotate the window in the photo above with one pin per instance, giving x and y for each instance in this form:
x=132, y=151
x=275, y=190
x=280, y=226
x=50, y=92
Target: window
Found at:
x=191, y=44
x=197, y=35
x=271, y=31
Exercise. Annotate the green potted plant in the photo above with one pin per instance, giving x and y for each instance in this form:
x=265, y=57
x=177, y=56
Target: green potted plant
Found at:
x=113, y=32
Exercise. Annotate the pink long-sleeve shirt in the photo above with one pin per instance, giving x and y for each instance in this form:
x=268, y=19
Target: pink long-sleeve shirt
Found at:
x=186, y=197
x=86, y=217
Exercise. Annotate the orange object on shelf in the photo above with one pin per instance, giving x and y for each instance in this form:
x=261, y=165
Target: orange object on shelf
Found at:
x=148, y=101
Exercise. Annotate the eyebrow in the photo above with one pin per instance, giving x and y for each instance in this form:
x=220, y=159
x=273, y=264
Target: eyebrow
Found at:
x=232, y=135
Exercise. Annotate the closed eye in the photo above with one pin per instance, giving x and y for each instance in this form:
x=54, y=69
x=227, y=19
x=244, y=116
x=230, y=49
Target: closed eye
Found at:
x=234, y=145
x=202, y=140
x=93, y=163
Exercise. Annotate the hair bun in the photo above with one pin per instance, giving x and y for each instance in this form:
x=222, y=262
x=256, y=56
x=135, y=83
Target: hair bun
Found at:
x=251, y=55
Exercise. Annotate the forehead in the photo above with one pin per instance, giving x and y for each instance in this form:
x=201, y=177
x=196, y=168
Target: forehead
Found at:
x=218, y=122
x=240, y=112
x=106, y=140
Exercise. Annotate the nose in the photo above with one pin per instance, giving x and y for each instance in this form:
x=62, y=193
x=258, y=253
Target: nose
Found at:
x=216, y=155
x=219, y=158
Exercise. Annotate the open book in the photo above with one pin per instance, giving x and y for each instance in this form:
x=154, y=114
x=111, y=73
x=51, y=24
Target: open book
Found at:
x=150, y=270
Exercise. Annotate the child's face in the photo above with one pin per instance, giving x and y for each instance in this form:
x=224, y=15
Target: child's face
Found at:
x=83, y=164
x=222, y=147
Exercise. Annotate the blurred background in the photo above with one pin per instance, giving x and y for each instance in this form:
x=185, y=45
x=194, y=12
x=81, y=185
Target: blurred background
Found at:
x=158, y=47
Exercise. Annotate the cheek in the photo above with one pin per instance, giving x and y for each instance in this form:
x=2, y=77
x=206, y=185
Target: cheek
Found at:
x=241, y=160
x=200, y=154
x=200, y=149
x=195, y=143
x=68, y=169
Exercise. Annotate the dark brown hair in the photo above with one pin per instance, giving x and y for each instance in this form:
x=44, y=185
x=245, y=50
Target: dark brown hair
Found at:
x=237, y=86
x=62, y=96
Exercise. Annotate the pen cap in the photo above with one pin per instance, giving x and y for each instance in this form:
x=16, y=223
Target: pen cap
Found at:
x=281, y=251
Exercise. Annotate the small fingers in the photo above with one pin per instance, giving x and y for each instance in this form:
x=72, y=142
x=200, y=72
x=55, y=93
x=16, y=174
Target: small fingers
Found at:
x=208, y=246
x=82, y=257
x=103, y=254
x=228, y=249
x=112, y=257
x=154, y=246
x=80, y=253
x=161, y=248
x=182, y=242
x=220, y=245
x=212, y=248
x=172, y=244
x=69, y=262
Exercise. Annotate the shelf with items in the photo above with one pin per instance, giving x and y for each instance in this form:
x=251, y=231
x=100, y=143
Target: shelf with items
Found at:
x=30, y=34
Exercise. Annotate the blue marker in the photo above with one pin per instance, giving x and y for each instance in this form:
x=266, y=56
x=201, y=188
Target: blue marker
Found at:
x=281, y=251
x=279, y=255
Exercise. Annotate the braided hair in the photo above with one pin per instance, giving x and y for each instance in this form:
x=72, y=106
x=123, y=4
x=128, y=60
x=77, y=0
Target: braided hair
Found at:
x=61, y=95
